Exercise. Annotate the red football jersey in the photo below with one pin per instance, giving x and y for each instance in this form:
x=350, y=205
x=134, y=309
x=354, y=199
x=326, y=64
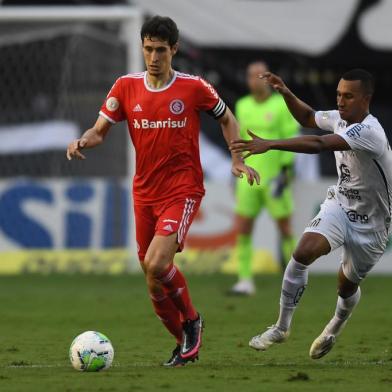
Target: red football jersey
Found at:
x=164, y=127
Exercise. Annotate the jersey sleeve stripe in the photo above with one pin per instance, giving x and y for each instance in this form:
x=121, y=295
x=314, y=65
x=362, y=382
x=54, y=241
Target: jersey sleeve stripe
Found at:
x=104, y=115
x=187, y=76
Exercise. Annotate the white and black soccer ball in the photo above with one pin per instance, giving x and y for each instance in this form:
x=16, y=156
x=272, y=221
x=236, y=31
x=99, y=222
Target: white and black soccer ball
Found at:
x=91, y=352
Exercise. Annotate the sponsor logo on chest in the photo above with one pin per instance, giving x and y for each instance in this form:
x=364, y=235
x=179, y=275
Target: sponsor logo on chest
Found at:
x=351, y=194
x=176, y=107
x=145, y=123
x=353, y=216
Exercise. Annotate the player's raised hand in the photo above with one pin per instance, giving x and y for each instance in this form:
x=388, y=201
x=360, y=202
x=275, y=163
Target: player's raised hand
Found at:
x=239, y=169
x=256, y=145
x=73, y=150
x=274, y=81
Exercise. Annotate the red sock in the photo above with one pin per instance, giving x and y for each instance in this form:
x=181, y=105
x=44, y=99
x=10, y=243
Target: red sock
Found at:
x=175, y=286
x=168, y=313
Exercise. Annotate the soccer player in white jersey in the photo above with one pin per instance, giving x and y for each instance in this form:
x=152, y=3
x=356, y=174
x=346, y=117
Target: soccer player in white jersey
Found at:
x=356, y=213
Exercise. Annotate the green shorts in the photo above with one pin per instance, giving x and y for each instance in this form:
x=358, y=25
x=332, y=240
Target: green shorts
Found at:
x=250, y=200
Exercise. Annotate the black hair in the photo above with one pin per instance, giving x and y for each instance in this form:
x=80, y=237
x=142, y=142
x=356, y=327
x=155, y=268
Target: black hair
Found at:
x=365, y=77
x=161, y=27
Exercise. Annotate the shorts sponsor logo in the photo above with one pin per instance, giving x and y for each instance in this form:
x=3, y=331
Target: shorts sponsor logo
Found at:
x=112, y=104
x=170, y=220
x=145, y=123
x=353, y=216
x=177, y=106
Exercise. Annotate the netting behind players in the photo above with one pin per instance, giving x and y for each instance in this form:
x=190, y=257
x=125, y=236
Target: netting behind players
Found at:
x=54, y=77
x=57, y=64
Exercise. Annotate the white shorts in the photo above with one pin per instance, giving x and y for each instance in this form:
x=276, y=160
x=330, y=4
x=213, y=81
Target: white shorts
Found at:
x=361, y=249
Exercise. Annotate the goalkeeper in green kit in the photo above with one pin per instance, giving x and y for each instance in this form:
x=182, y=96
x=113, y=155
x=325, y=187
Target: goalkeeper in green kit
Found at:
x=266, y=114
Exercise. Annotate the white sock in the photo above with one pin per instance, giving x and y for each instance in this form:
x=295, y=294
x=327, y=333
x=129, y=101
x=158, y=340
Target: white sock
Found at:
x=294, y=282
x=344, y=309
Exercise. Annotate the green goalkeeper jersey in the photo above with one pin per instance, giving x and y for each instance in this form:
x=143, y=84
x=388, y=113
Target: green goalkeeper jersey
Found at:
x=269, y=120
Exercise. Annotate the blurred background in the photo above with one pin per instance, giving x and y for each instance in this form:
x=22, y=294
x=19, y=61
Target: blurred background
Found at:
x=58, y=60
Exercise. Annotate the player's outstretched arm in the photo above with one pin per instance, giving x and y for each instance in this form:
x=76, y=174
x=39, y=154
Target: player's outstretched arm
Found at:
x=91, y=138
x=230, y=131
x=301, y=111
x=311, y=144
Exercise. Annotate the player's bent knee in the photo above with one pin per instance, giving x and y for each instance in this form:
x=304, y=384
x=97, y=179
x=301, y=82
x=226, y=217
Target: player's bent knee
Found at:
x=154, y=287
x=156, y=265
x=306, y=254
x=310, y=248
x=302, y=257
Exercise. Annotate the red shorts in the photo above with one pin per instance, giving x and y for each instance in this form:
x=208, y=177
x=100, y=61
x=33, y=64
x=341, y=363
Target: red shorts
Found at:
x=164, y=219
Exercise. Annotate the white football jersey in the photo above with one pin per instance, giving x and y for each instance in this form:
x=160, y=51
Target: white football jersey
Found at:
x=364, y=188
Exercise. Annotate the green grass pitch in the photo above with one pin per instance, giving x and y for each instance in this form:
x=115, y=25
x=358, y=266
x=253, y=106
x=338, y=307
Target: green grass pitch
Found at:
x=39, y=317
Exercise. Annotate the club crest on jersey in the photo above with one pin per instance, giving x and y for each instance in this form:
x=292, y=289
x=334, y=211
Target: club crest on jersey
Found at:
x=112, y=104
x=176, y=106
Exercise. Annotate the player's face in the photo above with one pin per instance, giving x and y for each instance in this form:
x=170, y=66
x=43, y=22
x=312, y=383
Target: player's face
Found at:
x=255, y=84
x=353, y=103
x=158, y=56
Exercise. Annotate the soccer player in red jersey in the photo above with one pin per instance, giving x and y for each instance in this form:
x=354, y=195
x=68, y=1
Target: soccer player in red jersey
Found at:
x=162, y=108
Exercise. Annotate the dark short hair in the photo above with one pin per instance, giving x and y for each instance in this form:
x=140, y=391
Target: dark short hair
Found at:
x=365, y=77
x=161, y=27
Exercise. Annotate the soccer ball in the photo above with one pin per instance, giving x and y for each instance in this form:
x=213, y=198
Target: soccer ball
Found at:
x=91, y=352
